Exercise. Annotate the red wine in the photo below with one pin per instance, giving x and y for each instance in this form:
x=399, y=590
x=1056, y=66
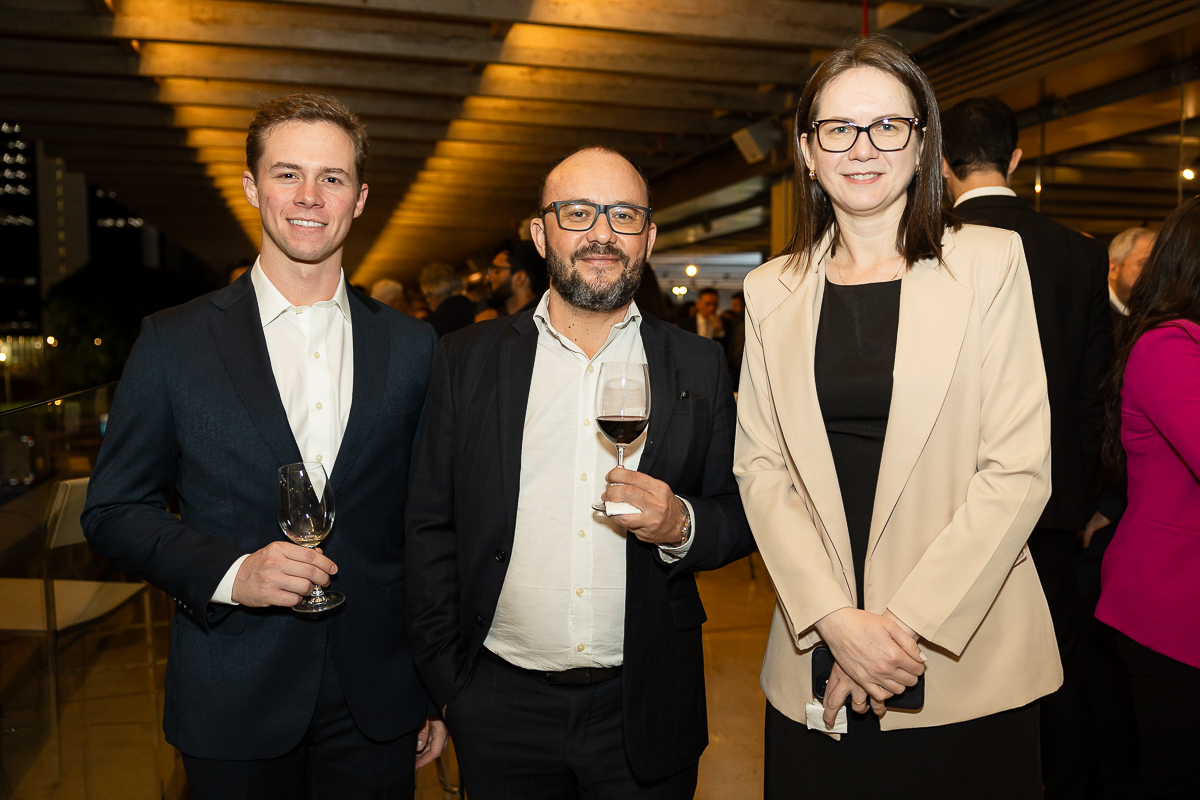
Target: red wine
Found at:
x=622, y=430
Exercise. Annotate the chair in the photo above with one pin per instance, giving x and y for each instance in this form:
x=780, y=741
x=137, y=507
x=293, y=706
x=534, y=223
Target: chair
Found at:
x=50, y=607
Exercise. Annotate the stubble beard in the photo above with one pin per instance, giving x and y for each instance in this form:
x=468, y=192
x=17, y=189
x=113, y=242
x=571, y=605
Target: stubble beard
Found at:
x=568, y=280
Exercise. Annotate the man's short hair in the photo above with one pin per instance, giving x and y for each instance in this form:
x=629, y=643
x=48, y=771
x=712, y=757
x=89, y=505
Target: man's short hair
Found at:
x=1124, y=242
x=707, y=290
x=305, y=107
x=599, y=148
x=440, y=280
x=979, y=134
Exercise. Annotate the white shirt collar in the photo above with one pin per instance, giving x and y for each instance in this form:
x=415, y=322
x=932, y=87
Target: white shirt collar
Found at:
x=541, y=316
x=1116, y=303
x=984, y=191
x=272, y=303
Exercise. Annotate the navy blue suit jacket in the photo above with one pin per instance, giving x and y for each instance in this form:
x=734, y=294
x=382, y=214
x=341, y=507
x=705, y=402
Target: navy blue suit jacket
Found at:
x=198, y=415
x=463, y=510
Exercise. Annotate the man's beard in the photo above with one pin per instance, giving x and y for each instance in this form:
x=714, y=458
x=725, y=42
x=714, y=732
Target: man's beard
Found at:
x=568, y=280
x=496, y=298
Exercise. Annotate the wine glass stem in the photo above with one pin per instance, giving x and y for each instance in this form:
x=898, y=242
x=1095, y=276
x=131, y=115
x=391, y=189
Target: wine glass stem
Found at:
x=621, y=455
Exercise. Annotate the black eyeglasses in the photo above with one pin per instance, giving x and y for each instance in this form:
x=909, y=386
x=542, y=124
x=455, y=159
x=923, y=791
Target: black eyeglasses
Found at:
x=579, y=215
x=886, y=135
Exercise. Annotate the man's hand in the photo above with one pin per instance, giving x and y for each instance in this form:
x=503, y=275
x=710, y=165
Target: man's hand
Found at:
x=1097, y=522
x=661, y=520
x=874, y=651
x=280, y=574
x=431, y=741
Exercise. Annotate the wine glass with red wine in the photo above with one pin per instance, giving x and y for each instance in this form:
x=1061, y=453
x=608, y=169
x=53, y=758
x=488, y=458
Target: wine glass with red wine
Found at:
x=622, y=405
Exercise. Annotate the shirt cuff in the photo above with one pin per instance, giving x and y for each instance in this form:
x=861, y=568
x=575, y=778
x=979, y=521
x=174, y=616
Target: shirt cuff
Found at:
x=672, y=554
x=224, y=592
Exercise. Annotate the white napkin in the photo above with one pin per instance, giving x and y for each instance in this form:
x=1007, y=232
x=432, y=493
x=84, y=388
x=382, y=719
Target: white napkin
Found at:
x=612, y=509
x=816, y=722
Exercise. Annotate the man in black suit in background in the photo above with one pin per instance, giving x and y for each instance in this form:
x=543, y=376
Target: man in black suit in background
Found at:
x=564, y=645
x=286, y=364
x=1068, y=272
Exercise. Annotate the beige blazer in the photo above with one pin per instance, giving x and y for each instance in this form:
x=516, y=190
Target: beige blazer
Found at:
x=964, y=477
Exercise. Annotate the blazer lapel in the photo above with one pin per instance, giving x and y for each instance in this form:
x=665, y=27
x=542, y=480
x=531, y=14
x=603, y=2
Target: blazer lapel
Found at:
x=372, y=355
x=934, y=311
x=237, y=330
x=789, y=335
x=515, y=354
x=663, y=390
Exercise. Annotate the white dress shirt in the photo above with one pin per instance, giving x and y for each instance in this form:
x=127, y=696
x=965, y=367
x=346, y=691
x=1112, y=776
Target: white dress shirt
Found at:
x=984, y=191
x=563, y=601
x=1116, y=303
x=312, y=358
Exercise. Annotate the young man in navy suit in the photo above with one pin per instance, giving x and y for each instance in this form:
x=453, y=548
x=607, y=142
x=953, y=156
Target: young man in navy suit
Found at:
x=287, y=364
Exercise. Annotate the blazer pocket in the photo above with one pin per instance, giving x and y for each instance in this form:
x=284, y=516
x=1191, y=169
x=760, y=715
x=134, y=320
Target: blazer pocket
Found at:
x=692, y=404
x=231, y=624
x=688, y=612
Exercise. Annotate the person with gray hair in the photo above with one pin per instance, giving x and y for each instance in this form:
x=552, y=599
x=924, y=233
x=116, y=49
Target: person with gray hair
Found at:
x=1127, y=255
x=391, y=293
x=449, y=308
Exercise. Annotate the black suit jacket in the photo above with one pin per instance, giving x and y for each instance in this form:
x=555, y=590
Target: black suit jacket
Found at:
x=463, y=508
x=198, y=415
x=1069, y=274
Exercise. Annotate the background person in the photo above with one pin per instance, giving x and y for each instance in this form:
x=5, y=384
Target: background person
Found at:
x=391, y=293
x=1151, y=576
x=1127, y=254
x=705, y=321
x=449, y=308
x=1067, y=271
x=893, y=455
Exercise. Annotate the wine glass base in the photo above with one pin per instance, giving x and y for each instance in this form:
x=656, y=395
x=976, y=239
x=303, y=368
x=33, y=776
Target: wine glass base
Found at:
x=316, y=605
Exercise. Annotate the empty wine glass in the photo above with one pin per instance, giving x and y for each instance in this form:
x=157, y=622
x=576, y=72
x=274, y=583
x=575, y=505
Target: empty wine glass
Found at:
x=306, y=514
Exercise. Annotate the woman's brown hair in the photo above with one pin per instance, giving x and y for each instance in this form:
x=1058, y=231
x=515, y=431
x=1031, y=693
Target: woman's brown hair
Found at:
x=1168, y=289
x=924, y=220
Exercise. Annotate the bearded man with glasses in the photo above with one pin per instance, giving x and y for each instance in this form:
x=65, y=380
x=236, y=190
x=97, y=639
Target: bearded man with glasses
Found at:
x=563, y=644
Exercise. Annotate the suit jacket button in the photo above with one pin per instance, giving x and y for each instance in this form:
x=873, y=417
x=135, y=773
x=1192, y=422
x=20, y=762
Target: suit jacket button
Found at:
x=501, y=555
x=479, y=620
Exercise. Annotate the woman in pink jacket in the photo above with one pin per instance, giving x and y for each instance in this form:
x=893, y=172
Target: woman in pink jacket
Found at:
x=1151, y=573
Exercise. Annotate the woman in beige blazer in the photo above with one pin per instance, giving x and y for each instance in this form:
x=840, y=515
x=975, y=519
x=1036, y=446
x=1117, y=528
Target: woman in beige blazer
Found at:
x=893, y=454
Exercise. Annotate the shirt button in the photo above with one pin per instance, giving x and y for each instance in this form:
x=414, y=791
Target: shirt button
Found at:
x=316, y=355
x=318, y=406
x=590, y=369
x=579, y=647
x=582, y=533
x=583, y=476
x=319, y=459
x=500, y=555
x=579, y=592
x=479, y=620
x=587, y=422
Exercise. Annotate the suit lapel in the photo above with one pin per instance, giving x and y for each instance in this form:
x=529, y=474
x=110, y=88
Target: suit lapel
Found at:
x=237, y=330
x=663, y=390
x=516, y=350
x=372, y=356
x=789, y=337
x=934, y=311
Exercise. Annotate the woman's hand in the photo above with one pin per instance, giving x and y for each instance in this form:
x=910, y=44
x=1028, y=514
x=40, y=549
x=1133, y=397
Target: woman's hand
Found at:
x=836, y=690
x=874, y=651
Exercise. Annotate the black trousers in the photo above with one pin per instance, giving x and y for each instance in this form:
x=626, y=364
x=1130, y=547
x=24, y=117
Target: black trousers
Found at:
x=520, y=738
x=1166, y=700
x=1110, y=696
x=334, y=759
x=1066, y=748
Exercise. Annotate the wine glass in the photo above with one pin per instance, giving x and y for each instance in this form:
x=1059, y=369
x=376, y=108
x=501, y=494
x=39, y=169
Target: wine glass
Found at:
x=622, y=411
x=306, y=515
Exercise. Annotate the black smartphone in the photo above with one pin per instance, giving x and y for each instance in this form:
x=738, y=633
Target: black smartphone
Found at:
x=911, y=699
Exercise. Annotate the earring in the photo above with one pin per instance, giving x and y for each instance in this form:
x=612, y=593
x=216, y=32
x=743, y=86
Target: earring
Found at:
x=917, y=171
x=812, y=176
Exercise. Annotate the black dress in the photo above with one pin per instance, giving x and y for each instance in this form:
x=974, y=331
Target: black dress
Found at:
x=992, y=757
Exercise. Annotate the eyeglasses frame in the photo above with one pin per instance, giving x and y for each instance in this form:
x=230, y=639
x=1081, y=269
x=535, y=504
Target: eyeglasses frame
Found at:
x=860, y=129
x=600, y=210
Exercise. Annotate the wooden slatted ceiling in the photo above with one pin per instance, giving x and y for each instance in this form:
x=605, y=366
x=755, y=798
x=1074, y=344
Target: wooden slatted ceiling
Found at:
x=467, y=101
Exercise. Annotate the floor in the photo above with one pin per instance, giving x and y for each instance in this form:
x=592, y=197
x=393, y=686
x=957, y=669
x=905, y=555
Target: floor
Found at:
x=110, y=709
